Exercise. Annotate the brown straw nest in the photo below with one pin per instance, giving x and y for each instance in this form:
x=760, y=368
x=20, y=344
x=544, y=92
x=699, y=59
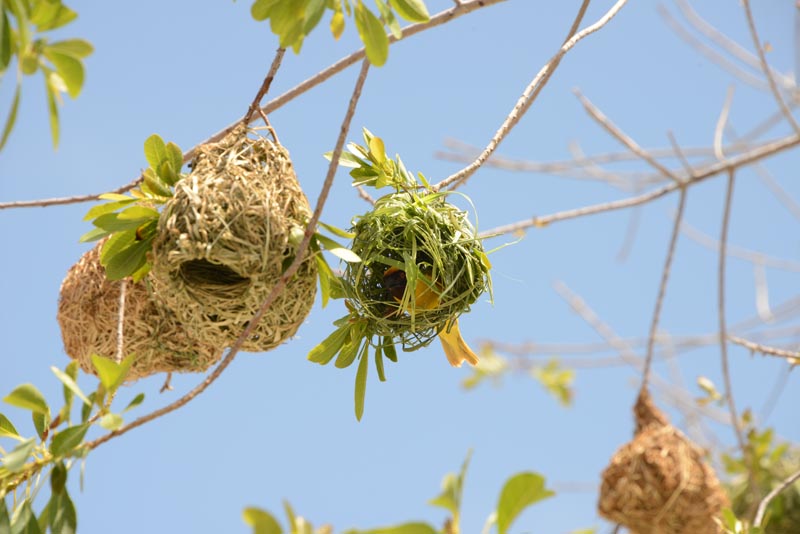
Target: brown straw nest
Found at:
x=658, y=483
x=88, y=313
x=225, y=238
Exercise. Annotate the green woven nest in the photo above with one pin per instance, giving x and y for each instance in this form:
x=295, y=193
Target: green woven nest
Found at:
x=432, y=241
x=224, y=240
x=88, y=313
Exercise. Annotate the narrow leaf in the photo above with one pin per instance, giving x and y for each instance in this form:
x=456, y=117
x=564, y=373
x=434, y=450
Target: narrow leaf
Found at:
x=108, y=207
x=338, y=250
x=405, y=528
x=52, y=107
x=12, y=117
x=520, y=491
x=373, y=35
x=348, y=354
x=361, y=381
x=325, y=351
x=411, y=10
x=28, y=397
x=15, y=460
x=69, y=438
x=77, y=48
x=94, y=234
x=5, y=40
x=137, y=400
x=70, y=384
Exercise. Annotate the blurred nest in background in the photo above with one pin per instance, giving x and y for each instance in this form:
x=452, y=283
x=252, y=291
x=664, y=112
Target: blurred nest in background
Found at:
x=88, y=313
x=658, y=483
x=224, y=240
x=435, y=244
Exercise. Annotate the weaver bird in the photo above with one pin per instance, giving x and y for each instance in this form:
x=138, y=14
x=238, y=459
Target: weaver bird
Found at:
x=426, y=298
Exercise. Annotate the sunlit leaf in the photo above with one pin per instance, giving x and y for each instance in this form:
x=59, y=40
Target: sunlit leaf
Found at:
x=337, y=25
x=261, y=8
x=372, y=34
x=77, y=48
x=519, y=492
x=15, y=460
x=12, y=117
x=338, y=250
x=69, y=438
x=7, y=429
x=27, y=397
x=261, y=521
x=108, y=207
x=70, y=384
x=111, y=373
x=155, y=151
x=69, y=68
x=327, y=349
x=411, y=10
x=111, y=421
x=405, y=528
x=47, y=15
x=52, y=107
x=361, y=382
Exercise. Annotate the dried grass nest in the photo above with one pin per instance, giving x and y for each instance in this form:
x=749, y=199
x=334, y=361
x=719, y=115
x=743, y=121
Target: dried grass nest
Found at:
x=224, y=240
x=88, y=312
x=658, y=483
x=431, y=240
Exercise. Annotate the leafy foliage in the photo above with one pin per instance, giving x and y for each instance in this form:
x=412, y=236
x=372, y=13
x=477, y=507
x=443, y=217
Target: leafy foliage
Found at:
x=130, y=221
x=519, y=492
x=23, y=24
x=293, y=20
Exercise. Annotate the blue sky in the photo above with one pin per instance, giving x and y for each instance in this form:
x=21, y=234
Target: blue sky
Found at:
x=275, y=426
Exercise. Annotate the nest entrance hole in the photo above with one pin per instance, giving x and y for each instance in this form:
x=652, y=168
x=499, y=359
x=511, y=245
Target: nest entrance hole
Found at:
x=213, y=278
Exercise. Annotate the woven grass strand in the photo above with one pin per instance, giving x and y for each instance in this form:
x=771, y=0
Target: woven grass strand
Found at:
x=224, y=240
x=88, y=313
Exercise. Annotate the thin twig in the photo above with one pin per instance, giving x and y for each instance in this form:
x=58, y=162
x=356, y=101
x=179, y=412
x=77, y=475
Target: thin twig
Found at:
x=662, y=289
x=620, y=136
x=273, y=69
x=765, y=349
x=277, y=288
x=528, y=97
x=723, y=328
x=756, y=154
x=721, y=122
x=773, y=87
x=762, y=506
x=362, y=193
x=680, y=154
x=123, y=286
x=463, y=8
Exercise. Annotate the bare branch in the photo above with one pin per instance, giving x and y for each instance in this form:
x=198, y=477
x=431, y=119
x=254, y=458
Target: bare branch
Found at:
x=528, y=97
x=773, y=87
x=765, y=349
x=721, y=122
x=273, y=69
x=762, y=506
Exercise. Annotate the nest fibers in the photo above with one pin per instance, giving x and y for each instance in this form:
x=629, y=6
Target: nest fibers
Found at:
x=433, y=242
x=88, y=313
x=224, y=240
x=658, y=483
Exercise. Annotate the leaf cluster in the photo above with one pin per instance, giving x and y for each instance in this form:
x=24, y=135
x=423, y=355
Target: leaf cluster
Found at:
x=130, y=221
x=23, y=28
x=57, y=443
x=518, y=493
x=293, y=20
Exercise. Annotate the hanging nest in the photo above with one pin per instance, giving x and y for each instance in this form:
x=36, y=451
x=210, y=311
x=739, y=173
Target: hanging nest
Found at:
x=224, y=241
x=88, y=313
x=658, y=483
x=434, y=243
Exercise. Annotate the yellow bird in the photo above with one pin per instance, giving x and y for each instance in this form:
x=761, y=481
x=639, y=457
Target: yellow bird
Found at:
x=455, y=348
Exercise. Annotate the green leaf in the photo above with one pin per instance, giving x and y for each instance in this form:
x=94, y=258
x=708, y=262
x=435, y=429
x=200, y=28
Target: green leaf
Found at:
x=12, y=117
x=58, y=477
x=49, y=15
x=7, y=429
x=348, y=354
x=108, y=207
x=520, y=491
x=337, y=25
x=377, y=150
x=405, y=528
x=86, y=409
x=291, y=517
x=314, y=11
x=389, y=350
x=111, y=421
x=372, y=34
x=77, y=48
x=41, y=422
x=337, y=231
x=325, y=274
x=361, y=381
x=94, y=234
x=128, y=260
x=411, y=10
x=155, y=151
x=63, y=518
x=452, y=488
x=113, y=222
x=327, y=349
x=111, y=373
x=261, y=8
x=69, y=438
x=379, y=363
x=70, y=384
x=25, y=520
x=138, y=214
x=52, y=107
x=69, y=68
x=5, y=40
x=137, y=400
x=346, y=159
x=337, y=250
x=15, y=460
x=175, y=157
x=261, y=521
x=5, y=520
x=28, y=397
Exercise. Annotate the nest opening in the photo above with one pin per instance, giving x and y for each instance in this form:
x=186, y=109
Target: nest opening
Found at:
x=223, y=240
x=213, y=278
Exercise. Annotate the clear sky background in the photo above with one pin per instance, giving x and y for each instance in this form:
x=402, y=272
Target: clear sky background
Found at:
x=275, y=426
